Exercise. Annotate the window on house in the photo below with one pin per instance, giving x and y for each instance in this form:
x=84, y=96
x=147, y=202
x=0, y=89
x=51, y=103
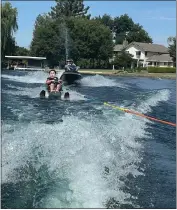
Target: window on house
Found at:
x=138, y=53
x=150, y=63
x=145, y=53
x=115, y=53
x=165, y=63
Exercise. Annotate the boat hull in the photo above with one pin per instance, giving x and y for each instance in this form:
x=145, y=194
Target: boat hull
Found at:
x=71, y=77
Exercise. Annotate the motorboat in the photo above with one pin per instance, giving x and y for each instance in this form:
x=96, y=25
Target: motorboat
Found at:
x=71, y=75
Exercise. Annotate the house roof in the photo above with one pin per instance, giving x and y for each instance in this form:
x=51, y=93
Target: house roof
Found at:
x=149, y=47
x=163, y=58
x=25, y=57
x=118, y=47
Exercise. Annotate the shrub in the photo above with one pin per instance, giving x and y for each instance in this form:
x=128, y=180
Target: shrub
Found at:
x=161, y=70
x=144, y=68
x=129, y=70
x=83, y=63
x=139, y=69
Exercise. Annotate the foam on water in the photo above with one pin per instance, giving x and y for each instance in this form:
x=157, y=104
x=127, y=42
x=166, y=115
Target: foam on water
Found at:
x=31, y=77
x=25, y=91
x=74, y=96
x=101, y=81
x=161, y=95
x=76, y=152
x=34, y=92
x=38, y=77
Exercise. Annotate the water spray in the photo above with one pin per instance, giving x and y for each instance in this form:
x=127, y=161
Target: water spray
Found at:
x=139, y=114
x=66, y=43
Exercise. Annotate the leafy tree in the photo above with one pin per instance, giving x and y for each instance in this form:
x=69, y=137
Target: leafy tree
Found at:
x=124, y=27
x=10, y=47
x=69, y=8
x=106, y=20
x=172, y=48
x=68, y=30
x=123, y=24
x=123, y=59
x=21, y=51
x=88, y=39
x=56, y=30
x=91, y=40
x=138, y=34
x=47, y=40
x=8, y=28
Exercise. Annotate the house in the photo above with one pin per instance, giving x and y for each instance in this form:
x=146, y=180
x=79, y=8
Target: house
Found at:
x=163, y=60
x=118, y=48
x=147, y=54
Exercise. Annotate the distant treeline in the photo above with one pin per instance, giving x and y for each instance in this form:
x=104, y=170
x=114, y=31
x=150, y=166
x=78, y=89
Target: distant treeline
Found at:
x=68, y=30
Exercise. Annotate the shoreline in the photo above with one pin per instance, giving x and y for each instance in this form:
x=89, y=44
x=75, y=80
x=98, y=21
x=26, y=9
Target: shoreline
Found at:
x=119, y=74
x=134, y=74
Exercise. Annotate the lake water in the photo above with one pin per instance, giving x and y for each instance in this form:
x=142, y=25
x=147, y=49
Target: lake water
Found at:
x=83, y=154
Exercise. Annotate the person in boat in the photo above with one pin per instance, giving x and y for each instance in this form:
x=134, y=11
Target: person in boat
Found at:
x=70, y=66
x=52, y=82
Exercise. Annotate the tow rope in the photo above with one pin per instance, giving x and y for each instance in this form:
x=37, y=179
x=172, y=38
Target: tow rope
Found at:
x=139, y=114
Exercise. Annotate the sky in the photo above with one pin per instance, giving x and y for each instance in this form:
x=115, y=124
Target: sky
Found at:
x=158, y=18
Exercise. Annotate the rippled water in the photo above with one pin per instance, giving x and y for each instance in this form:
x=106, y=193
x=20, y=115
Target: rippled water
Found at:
x=82, y=154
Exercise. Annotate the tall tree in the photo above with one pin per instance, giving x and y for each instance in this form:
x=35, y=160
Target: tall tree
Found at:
x=91, y=40
x=107, y=20
x=69, y=8
x=138, y=34
x=123, y=24
x=62, y=12
x=124, y=27
x=88, y=39
x=172, y=48
x=47, y=39
x=8, y=28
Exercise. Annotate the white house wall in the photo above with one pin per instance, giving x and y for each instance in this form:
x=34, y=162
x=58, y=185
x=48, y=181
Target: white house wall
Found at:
x=132, y=50
x=161, y=64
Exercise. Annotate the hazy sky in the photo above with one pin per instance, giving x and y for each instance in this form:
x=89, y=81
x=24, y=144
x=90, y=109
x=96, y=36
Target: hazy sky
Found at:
x=157, y=17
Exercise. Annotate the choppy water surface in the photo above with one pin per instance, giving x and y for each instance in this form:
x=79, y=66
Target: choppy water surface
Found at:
x=82, y=154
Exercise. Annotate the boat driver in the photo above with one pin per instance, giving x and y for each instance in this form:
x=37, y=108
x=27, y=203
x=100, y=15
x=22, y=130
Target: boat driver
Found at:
x=70, y=66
